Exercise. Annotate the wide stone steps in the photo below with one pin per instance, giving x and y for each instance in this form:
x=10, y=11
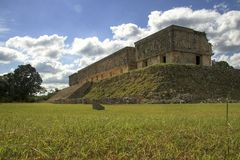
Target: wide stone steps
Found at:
x=75, y=91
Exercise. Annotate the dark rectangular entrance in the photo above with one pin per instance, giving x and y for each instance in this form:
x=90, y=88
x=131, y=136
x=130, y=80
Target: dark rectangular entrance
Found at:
x=163, y=59
x=198, y=60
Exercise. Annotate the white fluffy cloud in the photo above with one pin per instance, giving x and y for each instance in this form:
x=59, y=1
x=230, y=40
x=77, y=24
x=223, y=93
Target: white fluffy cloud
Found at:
x=184, y=16
x=45, y=46
x=7, y=55
x=44, y=53
x=92, y=46
x=47, y=53
x=130, y=32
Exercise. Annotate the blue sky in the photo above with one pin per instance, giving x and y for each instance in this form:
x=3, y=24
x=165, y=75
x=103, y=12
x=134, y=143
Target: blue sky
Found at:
x=60, y=36
x=84, y=18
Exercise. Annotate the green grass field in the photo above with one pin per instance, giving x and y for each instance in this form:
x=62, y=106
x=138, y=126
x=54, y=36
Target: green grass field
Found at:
x=147, y=131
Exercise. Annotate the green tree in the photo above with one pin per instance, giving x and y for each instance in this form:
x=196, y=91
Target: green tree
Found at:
x=26, y=82
x=3, y=86
x=222, y=65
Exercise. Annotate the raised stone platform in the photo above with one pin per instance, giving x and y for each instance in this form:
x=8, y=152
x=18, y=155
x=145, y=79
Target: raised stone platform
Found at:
x=163, y=84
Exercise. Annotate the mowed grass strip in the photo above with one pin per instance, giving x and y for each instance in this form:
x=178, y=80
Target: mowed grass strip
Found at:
x=145, y=131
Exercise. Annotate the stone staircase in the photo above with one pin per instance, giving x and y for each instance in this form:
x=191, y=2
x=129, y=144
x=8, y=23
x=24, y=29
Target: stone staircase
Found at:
x=72, y=92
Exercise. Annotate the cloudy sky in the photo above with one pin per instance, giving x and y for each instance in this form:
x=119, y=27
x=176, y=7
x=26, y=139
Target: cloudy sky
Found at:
x=59, y=37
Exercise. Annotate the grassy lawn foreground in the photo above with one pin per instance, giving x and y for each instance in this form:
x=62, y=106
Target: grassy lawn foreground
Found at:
x=146, y=131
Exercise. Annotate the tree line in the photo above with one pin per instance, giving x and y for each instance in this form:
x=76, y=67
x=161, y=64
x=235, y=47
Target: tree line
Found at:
x=21, y=84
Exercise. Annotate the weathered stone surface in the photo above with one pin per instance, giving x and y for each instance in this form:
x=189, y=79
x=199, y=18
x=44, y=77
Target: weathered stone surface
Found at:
x=117, y=63
x=173, y=44
x=81, y=91
x=75, y=91
x=97, y=106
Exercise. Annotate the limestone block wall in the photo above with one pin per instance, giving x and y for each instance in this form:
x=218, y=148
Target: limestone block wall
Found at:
x=73, y=79
x=174, y=44
x=117, y=63
x=181, y=58
x=206, y=60
x=154, y=45
x=189, y=41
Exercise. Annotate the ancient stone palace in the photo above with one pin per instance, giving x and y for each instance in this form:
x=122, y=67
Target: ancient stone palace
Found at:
x=173, y=44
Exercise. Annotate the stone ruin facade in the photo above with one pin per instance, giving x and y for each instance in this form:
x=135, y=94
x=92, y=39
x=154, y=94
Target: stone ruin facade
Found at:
x=117, y=63
x=174, y=44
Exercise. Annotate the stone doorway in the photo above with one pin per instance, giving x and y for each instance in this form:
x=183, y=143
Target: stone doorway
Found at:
x=163, y=59
x=198, y=60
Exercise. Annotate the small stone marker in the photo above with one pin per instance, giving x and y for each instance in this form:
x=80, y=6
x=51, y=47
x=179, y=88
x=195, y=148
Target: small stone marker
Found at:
x=97, y=106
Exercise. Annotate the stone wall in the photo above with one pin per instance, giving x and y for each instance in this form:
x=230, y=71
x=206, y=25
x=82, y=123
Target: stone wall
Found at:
x=156, y=44
x=174, y=44
x=117, y=63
